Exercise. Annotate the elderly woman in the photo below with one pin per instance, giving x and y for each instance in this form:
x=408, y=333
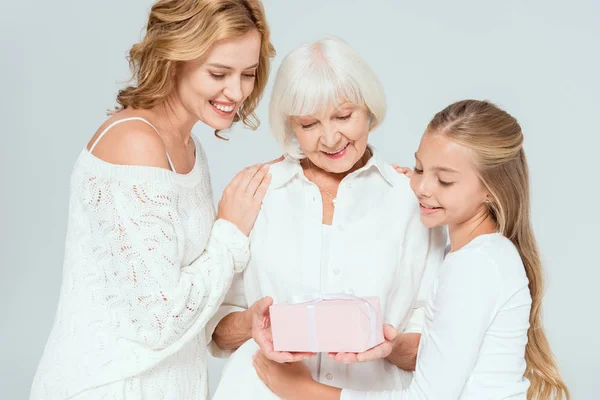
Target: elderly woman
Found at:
x=336, y=217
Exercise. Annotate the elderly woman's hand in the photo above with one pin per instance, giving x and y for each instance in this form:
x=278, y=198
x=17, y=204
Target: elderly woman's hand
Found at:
x=261, y=333
x=381, y=351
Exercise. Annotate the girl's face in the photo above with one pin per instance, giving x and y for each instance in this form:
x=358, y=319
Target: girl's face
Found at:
x=446, y=182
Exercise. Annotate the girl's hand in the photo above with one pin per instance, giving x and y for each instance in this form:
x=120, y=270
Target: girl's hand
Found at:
x=402, y=170
x=288, y=381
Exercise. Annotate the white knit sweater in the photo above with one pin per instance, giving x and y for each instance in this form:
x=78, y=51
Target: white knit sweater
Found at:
x=146, y=266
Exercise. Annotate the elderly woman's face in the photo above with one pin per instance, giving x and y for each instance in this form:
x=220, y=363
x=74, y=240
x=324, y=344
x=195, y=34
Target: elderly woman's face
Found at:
x=336, y=139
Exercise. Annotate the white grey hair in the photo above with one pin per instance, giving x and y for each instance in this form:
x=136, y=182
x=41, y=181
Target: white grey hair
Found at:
x=315, y=76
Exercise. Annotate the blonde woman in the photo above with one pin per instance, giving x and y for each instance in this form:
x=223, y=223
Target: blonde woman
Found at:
x=483, y=336
x=146, y=264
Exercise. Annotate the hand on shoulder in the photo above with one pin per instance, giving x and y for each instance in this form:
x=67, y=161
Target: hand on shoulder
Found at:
x=276, y=160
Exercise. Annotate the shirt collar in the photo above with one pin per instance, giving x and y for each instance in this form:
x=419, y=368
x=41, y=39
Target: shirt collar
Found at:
x=376, y=162
x=290, y=167
x=284, y=171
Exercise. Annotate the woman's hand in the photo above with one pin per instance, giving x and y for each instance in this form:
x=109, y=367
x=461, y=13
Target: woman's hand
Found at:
x=261, y=333
x=381, y=351
x=242, y=198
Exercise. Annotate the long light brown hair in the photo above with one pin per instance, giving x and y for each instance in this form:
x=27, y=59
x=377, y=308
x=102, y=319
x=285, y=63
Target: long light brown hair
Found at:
x=184, y=30
x=497, y=141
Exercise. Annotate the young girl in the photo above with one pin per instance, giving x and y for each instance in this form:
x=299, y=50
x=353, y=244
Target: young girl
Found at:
x=483, y=337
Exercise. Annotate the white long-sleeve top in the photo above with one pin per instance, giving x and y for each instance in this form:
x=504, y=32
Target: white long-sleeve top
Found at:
x=473, y=345
x=146, y=266
x=376, y=246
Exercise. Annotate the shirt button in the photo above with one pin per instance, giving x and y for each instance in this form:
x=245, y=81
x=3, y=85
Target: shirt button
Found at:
x=341, y=228
x=329, y=376
x=336, y=271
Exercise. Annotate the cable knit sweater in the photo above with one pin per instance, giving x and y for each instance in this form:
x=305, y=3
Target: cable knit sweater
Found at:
x=146, y=266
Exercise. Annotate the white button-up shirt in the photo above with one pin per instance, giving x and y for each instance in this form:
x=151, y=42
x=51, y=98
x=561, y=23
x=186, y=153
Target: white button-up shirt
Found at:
x=377, y=247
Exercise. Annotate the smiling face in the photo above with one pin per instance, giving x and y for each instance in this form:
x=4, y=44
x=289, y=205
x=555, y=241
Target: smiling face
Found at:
x=213, y=88
x=334, y=139
x=447, y=183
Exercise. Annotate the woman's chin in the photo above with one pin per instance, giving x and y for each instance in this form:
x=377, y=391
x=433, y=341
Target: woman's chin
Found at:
x=336, y=165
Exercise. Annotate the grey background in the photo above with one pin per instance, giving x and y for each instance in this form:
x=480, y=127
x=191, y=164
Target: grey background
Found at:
x=63, y=61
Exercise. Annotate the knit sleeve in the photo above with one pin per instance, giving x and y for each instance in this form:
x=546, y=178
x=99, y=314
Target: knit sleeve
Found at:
x=154, y=299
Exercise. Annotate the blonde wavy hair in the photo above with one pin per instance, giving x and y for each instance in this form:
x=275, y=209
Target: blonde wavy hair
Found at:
x=184, y=30
x=496, y=139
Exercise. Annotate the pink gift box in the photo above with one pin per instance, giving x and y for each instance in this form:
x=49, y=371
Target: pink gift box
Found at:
x=334, y=325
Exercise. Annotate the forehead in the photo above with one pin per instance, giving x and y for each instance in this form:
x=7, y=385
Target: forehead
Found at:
x=236, y=52
x=314, y=89
x=331, y=109
x=436, y=150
